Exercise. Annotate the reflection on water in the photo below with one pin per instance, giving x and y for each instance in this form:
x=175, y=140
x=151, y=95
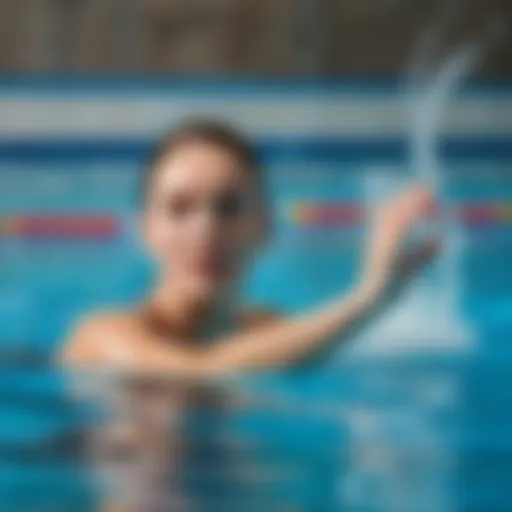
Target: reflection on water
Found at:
x=365, y=437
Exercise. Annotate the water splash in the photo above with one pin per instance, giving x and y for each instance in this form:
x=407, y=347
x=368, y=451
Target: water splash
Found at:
x=428, y=110
x=427, y=116
x=428, y=103
x=431, y=90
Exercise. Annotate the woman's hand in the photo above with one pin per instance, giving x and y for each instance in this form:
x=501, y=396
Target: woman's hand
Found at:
x=387, y=263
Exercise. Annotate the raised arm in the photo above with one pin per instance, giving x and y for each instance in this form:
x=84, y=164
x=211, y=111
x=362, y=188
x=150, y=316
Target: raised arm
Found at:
x=287, y=341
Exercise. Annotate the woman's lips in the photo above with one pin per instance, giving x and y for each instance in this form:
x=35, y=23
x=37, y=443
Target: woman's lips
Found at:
x=212, y=267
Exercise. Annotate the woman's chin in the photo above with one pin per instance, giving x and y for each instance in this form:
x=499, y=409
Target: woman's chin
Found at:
x=209, y=291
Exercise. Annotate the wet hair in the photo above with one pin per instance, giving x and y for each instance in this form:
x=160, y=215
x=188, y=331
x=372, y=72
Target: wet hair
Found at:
x=217, y=133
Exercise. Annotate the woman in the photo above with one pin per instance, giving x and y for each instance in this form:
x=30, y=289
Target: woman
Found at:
x=203, y=218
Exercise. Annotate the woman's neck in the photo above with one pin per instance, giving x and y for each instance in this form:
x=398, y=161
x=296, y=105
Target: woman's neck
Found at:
x=191, y=317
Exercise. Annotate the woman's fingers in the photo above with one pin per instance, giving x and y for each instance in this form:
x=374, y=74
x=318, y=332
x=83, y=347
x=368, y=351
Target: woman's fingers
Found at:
x=417, y=258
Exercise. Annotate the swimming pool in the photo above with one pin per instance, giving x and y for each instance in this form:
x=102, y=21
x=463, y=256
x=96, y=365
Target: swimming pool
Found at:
x=414, y=412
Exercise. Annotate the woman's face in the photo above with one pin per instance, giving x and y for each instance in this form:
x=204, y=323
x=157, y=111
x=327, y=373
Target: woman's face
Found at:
x=203, y=217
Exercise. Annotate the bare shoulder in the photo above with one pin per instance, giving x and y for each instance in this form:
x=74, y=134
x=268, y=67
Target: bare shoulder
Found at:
x=93, y=338
x=260, y=317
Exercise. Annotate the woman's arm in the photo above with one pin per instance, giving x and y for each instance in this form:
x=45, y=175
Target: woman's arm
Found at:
x=287, y=341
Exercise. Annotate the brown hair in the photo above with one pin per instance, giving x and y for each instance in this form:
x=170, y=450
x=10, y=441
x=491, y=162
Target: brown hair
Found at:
x=203, y=130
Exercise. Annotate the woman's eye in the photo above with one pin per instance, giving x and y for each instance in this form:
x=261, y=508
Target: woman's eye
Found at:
x=229, y=206
x=179, y=206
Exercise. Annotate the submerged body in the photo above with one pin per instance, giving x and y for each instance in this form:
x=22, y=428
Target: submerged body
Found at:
x=145, y=451
x=203, y=220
